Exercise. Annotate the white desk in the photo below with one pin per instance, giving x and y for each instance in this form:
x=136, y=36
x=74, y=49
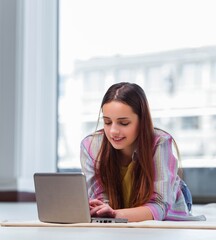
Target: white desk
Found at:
x=27, y=211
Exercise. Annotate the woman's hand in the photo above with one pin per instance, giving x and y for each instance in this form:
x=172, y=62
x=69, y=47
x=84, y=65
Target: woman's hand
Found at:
x=100, y=209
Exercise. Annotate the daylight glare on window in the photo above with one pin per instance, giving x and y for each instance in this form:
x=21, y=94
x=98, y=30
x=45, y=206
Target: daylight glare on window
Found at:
x=167, y=47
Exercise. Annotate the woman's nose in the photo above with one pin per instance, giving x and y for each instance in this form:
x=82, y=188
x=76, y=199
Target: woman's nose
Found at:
x=114, y=129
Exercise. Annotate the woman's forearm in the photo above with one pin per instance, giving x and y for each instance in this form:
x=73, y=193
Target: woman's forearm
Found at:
x=136, y=214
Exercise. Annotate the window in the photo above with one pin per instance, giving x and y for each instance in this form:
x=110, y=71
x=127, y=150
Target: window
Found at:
x=191, y=77
x=213, y=80
x=190, y=123
x=141, y=41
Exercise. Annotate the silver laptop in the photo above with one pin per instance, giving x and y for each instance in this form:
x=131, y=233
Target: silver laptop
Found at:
x=63, y=198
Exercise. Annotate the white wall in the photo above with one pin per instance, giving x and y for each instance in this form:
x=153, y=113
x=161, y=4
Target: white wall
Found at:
x=28, y=91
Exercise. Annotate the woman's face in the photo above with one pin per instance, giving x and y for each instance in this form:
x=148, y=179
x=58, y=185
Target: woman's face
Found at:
x=121, y=126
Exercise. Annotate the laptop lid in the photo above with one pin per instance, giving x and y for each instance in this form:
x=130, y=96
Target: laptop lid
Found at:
x=62, y=197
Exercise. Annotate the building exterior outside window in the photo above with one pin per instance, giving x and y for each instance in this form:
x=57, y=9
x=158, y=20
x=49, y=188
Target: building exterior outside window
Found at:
x=180, y=86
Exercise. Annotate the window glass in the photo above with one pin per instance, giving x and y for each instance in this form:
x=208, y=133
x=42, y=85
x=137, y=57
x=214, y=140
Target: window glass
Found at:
x=213, y=75
x=190, y=123
x=167, y=47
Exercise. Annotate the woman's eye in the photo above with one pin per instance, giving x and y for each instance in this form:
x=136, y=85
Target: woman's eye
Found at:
x=107, y=123
x=124, y=123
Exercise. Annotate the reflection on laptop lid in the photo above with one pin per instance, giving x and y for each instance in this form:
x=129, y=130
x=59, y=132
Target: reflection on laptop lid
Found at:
x=63, y=198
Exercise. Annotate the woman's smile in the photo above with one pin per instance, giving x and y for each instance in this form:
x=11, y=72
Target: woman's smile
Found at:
x=118, y=140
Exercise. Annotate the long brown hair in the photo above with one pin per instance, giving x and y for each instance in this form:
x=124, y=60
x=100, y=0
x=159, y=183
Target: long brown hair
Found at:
x=108, y=169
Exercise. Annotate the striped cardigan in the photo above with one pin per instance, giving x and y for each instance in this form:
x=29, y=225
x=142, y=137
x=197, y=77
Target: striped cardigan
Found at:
x=167, y=202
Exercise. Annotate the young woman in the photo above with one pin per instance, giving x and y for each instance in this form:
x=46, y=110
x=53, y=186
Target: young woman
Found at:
x=130, y=167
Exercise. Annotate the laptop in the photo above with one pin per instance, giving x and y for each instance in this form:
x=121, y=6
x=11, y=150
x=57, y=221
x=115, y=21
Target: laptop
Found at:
x=63, y=198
